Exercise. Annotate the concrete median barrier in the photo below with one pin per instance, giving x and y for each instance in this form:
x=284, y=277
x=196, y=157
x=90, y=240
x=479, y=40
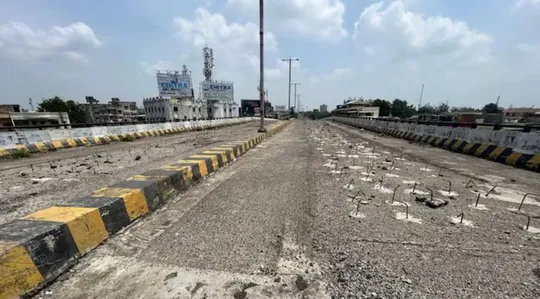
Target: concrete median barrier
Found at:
x=24, y=143
x=516, y=149
x=36, y=249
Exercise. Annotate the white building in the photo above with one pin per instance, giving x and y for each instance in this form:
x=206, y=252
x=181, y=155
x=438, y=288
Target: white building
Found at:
x=219, y=98
x=171, y=109
x=357, y=107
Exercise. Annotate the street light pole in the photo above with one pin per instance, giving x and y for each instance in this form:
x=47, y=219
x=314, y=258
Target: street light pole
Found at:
x=290, y=60
x=261, y=83
x=295, y=107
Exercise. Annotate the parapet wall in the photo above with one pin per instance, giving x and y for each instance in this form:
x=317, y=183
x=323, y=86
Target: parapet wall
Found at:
x=10, y=140
x=521, y=142
x=519, y=149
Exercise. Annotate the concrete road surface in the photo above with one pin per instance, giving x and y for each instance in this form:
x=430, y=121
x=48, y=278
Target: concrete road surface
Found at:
x=44, y=180
x=311, y=213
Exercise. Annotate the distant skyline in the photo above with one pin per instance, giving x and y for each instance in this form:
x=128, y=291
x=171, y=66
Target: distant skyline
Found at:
x=465, y=52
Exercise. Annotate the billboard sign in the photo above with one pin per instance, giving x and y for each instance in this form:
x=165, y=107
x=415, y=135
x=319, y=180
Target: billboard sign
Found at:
x=216, y=90
x=174, y=84
x=281, y=108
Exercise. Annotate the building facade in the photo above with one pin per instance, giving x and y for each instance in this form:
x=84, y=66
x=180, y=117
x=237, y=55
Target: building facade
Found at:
x=116, y=111
x=522, y=115
x=323, y=108
x=357, y=107
x=10, y=120
x=170, y=109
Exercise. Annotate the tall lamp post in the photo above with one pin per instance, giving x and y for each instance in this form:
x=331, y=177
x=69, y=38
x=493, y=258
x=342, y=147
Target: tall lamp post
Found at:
x=295, y=107
x=290, y=60
x=261, y=83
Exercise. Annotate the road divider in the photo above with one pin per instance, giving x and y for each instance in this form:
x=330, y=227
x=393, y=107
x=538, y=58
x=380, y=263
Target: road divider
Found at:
x=501, y=154
x=36, y=249
x=23, y=149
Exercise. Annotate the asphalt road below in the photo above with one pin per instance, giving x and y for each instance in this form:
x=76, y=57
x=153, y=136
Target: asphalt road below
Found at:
x=311, y=213
x=27, y=186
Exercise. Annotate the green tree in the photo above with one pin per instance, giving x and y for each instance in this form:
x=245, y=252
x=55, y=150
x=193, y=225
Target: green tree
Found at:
x=384, y=107
x=56, y=104
x=426, y=109
x=491, y=108
x=464, y=109
x=402, y=109
x=443, y=108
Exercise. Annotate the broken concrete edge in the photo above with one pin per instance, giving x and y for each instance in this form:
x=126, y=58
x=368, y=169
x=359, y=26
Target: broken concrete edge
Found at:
x=504, y=155
x=55, y=145
x=36, y=249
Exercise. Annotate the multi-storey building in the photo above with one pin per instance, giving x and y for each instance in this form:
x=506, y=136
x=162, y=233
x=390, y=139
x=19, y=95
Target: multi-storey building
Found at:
x=171, y=109
x=116, y=111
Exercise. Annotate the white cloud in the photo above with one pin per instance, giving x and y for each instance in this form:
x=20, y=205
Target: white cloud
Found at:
x=234, y=45
x=527, y=48
x=339, y=72
x=151, y=69
x=402, y=35
x=22, y=42
x=369, y=51
x=213, y=29
x=336, y=74
x=320, y=18
x=528, y=3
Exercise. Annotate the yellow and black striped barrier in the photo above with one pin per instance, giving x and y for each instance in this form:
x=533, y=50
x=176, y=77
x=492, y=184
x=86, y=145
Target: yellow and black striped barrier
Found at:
x=499, y=154
x=43, y=147
x=36, y=249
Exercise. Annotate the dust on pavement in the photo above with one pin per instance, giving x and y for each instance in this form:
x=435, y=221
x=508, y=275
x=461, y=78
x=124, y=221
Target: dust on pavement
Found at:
x=319, y=212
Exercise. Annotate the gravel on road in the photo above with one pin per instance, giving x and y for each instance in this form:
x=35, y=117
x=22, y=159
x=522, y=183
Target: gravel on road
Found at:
x=79, y=171
x=374, y=243
x=321, y=212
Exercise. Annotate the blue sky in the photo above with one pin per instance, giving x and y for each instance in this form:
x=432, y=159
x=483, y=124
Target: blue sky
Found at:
x=465, y=52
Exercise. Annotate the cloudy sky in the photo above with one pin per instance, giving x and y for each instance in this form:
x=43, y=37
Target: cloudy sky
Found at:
x=465, y=52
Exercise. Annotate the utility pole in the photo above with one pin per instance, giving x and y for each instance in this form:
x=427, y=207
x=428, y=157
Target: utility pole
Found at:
x=290, y=60
x=261, y=83
x=298, y=103
x=295, y=84
x=420, y=100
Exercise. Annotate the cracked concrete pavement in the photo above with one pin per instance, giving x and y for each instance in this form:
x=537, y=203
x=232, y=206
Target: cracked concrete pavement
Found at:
x=311, y=213
x=41, y=181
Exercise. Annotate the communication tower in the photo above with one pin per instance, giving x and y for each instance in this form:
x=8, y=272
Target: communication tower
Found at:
x=208, y=55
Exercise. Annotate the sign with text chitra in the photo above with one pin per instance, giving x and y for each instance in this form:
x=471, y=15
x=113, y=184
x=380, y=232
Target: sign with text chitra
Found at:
x=174, y=84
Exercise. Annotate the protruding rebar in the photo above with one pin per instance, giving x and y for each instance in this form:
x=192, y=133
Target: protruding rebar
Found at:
x=491, y=190
x=394, y=194
x=528, y=222
x=477, y=199
x=449, y=186
x=469, y=182
x=350, y=182
x=440, y=171
x=431, y=192
x=461, y=215
x=358, y=206
x=406, y=209
x=522, y=201
x=414, y=187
